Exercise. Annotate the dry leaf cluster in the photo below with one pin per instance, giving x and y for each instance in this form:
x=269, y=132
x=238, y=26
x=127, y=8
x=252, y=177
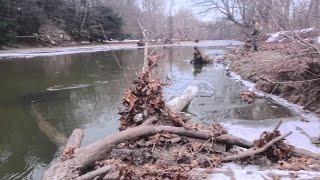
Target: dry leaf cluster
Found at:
x=278, y=152
x=144, y=98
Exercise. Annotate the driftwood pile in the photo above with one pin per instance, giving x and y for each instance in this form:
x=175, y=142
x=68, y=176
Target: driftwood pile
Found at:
x=157, y=142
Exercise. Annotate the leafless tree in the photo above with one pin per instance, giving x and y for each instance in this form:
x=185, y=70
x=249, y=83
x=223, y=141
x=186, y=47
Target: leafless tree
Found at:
x=273, y=14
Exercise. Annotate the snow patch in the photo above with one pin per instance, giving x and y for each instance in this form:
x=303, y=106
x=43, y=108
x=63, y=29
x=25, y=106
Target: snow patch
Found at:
x=43, y=52
x=235, y=171
x=280, y=35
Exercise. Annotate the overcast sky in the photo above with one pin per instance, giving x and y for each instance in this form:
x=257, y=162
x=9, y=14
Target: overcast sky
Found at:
x=183, y=3
x=187, y=4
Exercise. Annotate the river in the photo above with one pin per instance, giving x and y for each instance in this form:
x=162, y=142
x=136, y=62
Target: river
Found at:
x=43, y=98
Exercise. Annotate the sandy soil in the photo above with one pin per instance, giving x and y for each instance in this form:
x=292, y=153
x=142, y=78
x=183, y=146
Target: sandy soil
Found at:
x=283, y=69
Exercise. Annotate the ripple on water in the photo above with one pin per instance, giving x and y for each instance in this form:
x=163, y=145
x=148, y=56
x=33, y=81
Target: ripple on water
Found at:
x=60, y=87
x=4, y=155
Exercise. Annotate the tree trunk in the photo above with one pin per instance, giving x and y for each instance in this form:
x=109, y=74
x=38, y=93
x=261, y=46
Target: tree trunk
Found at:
x=287, y=5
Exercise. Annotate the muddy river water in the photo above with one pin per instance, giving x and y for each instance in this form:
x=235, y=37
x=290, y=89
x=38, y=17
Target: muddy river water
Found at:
x=42, y=99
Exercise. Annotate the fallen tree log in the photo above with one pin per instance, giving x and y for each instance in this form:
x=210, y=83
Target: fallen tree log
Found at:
x=85, y=156
x=179, y=103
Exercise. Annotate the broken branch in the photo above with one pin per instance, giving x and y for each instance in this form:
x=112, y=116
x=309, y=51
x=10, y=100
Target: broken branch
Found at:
x=277, y=126
x=254, y=152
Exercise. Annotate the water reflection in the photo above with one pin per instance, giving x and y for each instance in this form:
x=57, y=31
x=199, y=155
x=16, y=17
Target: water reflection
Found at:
x=68, y=104
x=41, y=94
x=226, y=103
x=197, y=69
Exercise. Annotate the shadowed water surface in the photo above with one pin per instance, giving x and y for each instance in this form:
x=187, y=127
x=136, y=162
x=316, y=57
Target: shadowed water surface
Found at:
x=42, y=99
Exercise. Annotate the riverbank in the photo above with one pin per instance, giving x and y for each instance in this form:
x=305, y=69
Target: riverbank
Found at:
x=29, y=52
x=89, y=48
x=282, y=69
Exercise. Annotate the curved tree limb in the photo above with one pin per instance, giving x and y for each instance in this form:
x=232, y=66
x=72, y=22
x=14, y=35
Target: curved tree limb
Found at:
x=254, y=152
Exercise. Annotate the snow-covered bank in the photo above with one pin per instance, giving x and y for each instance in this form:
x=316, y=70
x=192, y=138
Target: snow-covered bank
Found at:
x=56, y=51
x=309, y=121
x=310, y=124
x=238, y=172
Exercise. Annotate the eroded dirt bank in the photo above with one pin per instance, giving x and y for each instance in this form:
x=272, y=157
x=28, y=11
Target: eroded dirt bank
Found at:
x=283, y=69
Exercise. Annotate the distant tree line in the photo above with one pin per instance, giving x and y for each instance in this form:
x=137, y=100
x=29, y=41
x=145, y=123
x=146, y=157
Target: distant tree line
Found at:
x=164, y=20
x=94, y=20
x=82, y=19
